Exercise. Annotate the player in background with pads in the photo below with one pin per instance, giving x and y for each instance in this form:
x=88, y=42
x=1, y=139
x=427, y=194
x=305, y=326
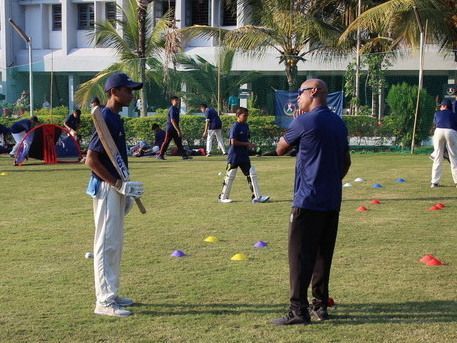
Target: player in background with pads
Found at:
x=112, y=199
x=238, y=156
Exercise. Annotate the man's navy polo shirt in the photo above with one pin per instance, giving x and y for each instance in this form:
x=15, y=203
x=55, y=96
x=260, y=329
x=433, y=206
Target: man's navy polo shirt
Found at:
x=445, y=119
x=239, y=154
x=73, y=122
x=21, y=126
x=116, y=128
x=215, y=122
x=321, y=139
x=173, y=114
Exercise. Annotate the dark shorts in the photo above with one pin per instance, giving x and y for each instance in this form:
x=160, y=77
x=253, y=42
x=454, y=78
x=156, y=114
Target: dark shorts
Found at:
x=243, y=166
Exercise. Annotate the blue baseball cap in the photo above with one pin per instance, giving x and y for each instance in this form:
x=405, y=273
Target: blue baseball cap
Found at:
x=447, y=103
x=118, y=80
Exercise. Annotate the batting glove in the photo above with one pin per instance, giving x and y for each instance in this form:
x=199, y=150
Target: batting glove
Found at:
x=130, y=188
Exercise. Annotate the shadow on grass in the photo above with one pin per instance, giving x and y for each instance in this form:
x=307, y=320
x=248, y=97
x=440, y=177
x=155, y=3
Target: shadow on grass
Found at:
x=439, y=311
x=205, y=309
x=431, y=198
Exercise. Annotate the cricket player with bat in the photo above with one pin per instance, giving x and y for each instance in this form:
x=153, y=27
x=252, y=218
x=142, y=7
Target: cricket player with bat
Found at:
x=112, y=198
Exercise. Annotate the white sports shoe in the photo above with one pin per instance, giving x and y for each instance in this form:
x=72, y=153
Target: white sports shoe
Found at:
x=225, y=201
x=113, y=310
x=124, y=301
x=261, y=199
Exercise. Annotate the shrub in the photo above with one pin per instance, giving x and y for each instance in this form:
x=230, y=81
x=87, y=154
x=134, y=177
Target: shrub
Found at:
x=363, y=126
x=401, y=100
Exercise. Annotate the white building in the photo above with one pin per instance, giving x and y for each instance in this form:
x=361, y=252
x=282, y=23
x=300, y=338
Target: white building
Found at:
x=63, y=56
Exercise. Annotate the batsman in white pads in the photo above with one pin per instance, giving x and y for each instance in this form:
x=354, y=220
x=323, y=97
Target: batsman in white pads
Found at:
x=238, y=156
x=112, y=199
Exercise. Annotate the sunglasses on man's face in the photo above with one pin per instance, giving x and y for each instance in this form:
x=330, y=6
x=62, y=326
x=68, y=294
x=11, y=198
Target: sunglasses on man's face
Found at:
x=301, y=90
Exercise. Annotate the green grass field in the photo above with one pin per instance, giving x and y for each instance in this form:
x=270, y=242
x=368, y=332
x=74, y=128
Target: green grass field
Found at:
x=383, y=293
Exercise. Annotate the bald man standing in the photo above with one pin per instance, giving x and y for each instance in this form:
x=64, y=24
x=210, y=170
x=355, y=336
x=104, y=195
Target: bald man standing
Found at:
x=322, y=162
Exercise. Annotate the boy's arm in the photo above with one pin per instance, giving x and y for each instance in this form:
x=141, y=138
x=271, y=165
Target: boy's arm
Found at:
x=236, y=142
x=93, y=162
x=206, y=128
x=176, y=126
x=283, y=147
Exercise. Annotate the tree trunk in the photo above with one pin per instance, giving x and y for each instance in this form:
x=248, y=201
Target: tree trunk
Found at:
x=142, y=13
x=381, y=103
x=374, y=103
x=291, y=73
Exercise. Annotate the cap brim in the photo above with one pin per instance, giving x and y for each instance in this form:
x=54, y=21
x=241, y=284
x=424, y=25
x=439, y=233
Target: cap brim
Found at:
x=135, y=85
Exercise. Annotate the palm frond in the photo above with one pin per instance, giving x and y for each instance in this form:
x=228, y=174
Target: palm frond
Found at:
x=203, y=32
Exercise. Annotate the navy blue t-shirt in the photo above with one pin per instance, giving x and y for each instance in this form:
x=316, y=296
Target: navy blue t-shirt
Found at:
x=173, y=113
x=21, y=125
x=239, y=154
x=215, y=122
x=159, y=138
x=445, y=119
x=321, y=139
x=116, y=128
x=73, y=122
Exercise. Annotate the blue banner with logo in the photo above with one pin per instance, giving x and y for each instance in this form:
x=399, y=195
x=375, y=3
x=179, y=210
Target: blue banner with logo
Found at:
x=286, y=104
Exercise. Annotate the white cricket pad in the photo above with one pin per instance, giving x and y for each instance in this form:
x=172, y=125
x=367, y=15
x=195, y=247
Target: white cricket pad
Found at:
x=228, y=182
x=255, y=184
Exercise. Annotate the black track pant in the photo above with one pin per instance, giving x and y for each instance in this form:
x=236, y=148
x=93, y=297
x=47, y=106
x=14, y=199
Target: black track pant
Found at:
x=172, y=134
x=312, y=237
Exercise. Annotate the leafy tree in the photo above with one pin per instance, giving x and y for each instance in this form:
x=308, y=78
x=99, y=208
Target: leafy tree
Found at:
x=395, y=20
x=200, y=78
x=295, y=29
x=136, y=38
x=402, y=103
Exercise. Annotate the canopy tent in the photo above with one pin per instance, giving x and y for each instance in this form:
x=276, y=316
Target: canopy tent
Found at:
x=50, y=143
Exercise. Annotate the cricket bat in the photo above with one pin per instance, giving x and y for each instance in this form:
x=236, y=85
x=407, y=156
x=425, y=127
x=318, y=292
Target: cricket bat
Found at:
x=111, y=150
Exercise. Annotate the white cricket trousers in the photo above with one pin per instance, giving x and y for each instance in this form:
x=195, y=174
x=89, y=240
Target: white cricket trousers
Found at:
x=109, y=208
x=17, y=138
x=209, y=140
x=444, y=138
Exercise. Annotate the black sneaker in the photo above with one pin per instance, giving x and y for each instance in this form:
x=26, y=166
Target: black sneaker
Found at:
x=292, y=318
x=318, y=310
x=159, y=157
x=185, y=157
x=320, y=313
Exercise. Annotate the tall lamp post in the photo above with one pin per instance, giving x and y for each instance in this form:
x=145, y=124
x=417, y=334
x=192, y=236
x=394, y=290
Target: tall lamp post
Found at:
x=28, y=41
x=357, y=61
x=421, y=74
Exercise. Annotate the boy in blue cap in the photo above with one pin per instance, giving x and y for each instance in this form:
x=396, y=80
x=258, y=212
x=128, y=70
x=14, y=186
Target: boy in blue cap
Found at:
x=112, y=199
x=238, y=156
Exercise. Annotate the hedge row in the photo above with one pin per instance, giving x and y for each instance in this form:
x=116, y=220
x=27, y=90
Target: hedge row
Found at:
x=264, y=131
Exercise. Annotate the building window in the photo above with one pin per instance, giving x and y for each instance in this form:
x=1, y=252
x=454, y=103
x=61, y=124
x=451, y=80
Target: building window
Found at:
x=228, y=14
x=57, y=17
x=200, y=12
x=166, y=6
x=111, y=10
x=85, y=16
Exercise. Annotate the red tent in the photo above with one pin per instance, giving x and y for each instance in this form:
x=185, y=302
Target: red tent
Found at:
x=50, y=143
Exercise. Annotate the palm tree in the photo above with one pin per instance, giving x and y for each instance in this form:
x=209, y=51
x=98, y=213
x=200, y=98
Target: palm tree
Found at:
x=295, y=29
x=392, y=25
x=200, y=77
x=395, y=20
x=135, y=37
